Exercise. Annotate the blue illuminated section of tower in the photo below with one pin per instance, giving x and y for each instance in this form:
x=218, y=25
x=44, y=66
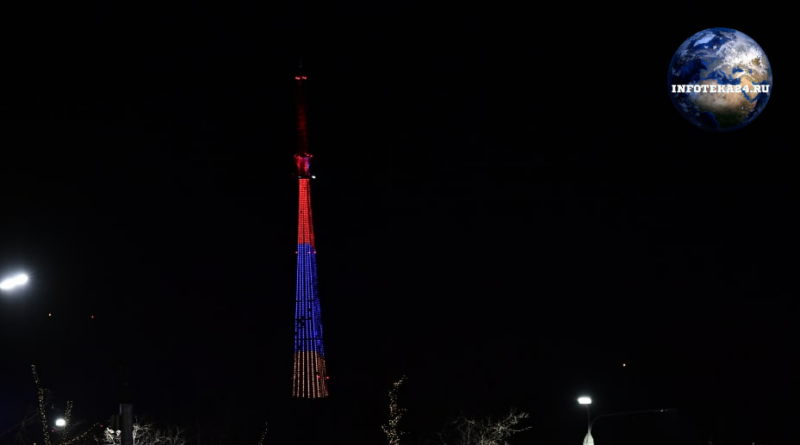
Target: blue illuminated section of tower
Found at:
x=310, y=374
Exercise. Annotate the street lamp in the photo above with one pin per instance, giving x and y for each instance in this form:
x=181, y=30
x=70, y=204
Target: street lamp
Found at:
x=61, y=423
x=13, y=282
x=586, y=401
x=589, y=440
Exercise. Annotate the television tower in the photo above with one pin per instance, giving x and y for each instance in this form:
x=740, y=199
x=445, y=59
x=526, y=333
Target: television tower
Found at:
x=310, y=379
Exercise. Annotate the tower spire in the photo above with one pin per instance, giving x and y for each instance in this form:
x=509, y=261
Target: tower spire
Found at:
x=310, y=374
x=302, y=157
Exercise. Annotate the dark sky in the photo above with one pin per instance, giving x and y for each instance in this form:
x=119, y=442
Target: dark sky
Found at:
x=497, y=216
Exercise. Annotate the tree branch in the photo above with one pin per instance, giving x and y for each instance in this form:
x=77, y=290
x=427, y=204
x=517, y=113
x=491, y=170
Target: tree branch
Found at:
x=395, y=414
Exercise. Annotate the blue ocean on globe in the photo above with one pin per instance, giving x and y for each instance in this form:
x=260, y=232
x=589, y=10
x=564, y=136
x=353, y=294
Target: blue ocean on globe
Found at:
x=722, y=64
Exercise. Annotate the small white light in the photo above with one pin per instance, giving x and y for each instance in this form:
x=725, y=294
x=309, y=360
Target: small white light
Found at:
x=313, y=177
x=585, y=400
x=61, y=423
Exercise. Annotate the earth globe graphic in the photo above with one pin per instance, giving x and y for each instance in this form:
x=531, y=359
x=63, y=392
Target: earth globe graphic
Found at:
x=726, y=80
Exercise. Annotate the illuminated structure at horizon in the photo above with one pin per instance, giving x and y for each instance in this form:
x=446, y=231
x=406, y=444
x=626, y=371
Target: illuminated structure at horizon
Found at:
x=310, y=380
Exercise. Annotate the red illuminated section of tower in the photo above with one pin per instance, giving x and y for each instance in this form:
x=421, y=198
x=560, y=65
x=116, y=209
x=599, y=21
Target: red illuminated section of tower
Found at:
x=305, y=223
x=310, y=372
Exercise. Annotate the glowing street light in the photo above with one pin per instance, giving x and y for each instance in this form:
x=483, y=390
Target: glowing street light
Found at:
x=61, y=423
x=14, y=282
x=586, y=401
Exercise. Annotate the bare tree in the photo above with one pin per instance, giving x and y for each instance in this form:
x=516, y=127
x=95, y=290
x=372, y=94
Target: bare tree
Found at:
x=22, y=428
x=147, y=434
x=465, y=431
x=263, y=435
x=64, y=437
x=395, y=414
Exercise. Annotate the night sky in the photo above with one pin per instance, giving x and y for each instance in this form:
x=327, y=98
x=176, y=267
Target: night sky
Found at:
x=496, y=217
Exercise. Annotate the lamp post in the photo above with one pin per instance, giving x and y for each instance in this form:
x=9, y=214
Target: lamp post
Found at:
x=630, y=413
x=586, y=401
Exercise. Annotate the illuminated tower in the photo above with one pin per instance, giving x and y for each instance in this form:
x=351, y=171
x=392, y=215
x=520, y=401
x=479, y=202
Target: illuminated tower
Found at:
x=310, y=377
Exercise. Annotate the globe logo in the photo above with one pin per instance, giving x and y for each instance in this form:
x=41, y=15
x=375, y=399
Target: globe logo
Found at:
x=720, y=80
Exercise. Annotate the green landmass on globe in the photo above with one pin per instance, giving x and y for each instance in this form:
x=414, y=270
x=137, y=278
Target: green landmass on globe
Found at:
x=724, y=58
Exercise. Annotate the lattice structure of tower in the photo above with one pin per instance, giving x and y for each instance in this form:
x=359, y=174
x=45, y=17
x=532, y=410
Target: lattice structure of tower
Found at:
x=310, y=380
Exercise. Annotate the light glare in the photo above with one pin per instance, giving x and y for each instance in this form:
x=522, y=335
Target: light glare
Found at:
x=585, y=400
x=15, y=281
x=61, y=422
